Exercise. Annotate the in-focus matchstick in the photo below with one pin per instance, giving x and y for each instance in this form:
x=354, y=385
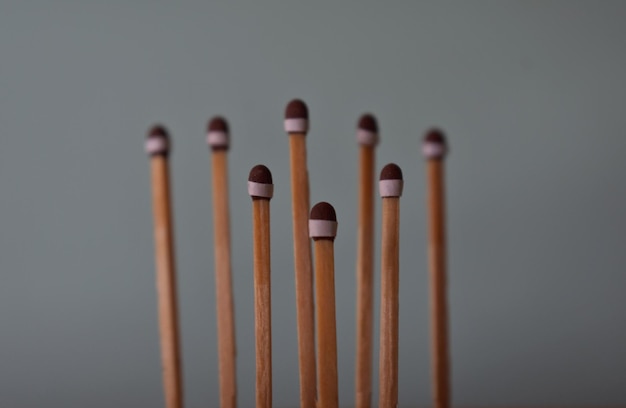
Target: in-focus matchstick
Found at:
x=297, y=126
x=158, y=147
x=367, y=136
x=390, y=187
x=261, y=189
x=323, y=229
x=218, y=138
x=434, y=148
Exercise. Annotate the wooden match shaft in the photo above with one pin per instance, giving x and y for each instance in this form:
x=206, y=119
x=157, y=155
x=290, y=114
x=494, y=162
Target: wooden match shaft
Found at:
x=367, y=135
x=296, y=110
x=391, y=188
x=223, y=281
x=158, y=146
x=434, y=148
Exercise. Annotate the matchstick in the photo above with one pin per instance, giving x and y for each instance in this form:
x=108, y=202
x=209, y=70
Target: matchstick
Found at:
x=158, y=147
x=390, y=187
x=434, y=149
x=367, y=136
x=218, y=138
x=261, y=189
x=297, y=126
x=323, y=229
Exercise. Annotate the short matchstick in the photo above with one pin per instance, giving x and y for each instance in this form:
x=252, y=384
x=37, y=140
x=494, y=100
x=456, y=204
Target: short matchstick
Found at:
x=367, y=136
x=158, y=147
x=323, y=229
x=297, y=126
x=434, y=148
x=390, y=188
x=261, y=189
x=218, y=138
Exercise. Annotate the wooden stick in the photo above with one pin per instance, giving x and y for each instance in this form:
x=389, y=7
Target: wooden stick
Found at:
x=296, y=124
x=218, y=139
x=157, y=146
x=323, y=229
x=434, y=149
x=367, y=136
x=390, y=187
x=260, y=188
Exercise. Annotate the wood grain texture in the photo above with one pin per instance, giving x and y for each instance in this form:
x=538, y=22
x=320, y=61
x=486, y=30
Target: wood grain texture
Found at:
x=262, y=302
x=326, y=324
x=166, y=282
x=226, y=342
x=438, y=289
x=303, y=269
x=389, y=304
x=365, y=278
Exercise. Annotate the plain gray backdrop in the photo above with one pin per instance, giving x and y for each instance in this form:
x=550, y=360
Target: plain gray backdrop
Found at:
x=532, y=97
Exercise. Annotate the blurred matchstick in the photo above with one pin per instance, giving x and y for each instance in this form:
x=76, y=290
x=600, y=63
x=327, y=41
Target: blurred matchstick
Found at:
x=367, y=136
x=158, y=147
x=323, y=229
x=218, y=138
x=261, y=189
x=297, y=126
x=390, y=187
x=434, y=148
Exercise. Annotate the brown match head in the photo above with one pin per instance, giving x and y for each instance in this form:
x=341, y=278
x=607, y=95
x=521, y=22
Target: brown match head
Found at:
x=158, y=141
x=434, y=146
x=218, y=135
x=260, y=185
x=323, y=222
x=296, y=117
x=367, y=130
x=390, y=183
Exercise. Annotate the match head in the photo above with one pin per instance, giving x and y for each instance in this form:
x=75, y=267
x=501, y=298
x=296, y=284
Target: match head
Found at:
x=367, y=130
x=296, y=117
x=434, y=146
x=260, y=185
x=391, y=183
x=218, y=135
x=158, y=141
x=323, y=222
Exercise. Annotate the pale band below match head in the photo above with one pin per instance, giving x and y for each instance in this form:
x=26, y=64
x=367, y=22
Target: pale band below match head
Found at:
x=217, y=139
x=434, y=150
x=322, y=229
x=390, y=188
x=296, y=125
x=366, y=137
x=156, y=145
x=260, y=190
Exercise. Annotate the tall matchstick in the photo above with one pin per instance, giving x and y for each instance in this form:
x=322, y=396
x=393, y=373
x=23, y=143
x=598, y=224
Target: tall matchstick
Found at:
x=297, y=126
x=323, y=229
x=158, y=147
x=367, y=136
x=261, y=189
x=218, y=138
x=390, y=187
x=434, y=148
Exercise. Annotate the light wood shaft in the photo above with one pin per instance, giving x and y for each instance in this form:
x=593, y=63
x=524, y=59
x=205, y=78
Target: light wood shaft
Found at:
x=326, y=325
x=365, y=278
x=303, y=269
x=389, y=304
x=166, y=283
x=262, y=302
x=438, y=301
x=223, y=281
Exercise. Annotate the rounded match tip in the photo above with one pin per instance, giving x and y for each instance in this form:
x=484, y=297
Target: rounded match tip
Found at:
x=158, y=141
x=391, y=172
x=218, y=124
x=158, y=132
x=217, y=133
x=368, y=122
x=260, y=174
x=323, y=211
x=296, y=109
x=434, y=146
x=435, y=135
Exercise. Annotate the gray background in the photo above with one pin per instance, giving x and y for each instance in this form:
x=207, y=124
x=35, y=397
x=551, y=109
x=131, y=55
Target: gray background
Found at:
x=531, y=94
